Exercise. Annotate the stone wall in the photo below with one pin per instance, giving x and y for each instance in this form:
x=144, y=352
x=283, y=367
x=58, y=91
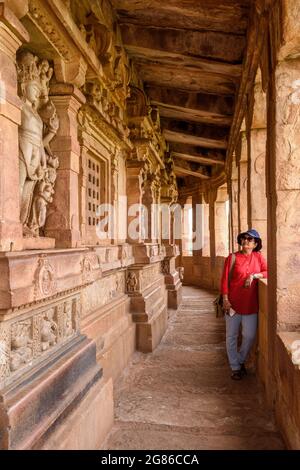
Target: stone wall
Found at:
x=282, y=381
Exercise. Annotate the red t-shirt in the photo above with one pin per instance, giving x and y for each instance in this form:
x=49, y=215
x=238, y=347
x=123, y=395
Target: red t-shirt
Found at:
x=243, y=300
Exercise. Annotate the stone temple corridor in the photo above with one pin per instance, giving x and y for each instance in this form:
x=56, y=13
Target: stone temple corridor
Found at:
x=181, y=395
x=142, y=142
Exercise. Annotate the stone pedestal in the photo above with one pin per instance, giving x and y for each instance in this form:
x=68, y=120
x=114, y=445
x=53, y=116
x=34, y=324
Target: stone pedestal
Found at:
x=12, y=36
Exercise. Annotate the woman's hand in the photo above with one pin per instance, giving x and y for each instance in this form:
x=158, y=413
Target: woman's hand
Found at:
x=226, y=304
x=249, y=281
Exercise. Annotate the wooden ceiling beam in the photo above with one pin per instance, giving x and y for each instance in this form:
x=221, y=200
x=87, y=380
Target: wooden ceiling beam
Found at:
x=201, y=44
x=182, y=138
x=195, y=115
x=229, y=16
x=184, y=171
x=185, y=78
x=145, y=54
x=198, y=159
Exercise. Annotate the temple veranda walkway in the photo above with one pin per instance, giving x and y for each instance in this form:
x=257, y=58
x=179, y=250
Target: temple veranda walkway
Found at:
x=182, y=397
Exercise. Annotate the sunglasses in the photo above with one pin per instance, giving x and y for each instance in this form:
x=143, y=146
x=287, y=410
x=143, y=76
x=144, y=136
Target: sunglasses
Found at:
x=249, y=239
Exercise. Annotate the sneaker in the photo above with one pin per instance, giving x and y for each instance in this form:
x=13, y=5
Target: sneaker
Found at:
x=236, y=375
x=243, y=370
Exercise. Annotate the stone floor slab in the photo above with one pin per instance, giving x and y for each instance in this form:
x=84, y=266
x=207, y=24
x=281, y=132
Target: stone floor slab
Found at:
x=181, y=396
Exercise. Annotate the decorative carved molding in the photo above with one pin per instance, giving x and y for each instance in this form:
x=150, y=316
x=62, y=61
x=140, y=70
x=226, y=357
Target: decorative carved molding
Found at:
x=101, y=100
x=89, y=119
x=41, y=17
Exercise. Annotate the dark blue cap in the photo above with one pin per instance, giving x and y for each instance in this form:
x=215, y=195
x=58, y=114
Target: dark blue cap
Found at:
x=251, y=233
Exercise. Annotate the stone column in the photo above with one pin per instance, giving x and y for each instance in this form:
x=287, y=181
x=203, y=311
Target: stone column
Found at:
x=63, y=216
x=212, y=196
x=134, y=196
x=221, y=223
x=12, y=36
x=198, y=235
x=284, y=194
x=243, y=185
x=258, y=199
x=149, y=201
x=234, y=207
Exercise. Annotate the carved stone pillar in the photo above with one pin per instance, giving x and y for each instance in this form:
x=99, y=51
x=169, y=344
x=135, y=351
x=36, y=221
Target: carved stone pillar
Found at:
x=63, y=216
x=12, y=35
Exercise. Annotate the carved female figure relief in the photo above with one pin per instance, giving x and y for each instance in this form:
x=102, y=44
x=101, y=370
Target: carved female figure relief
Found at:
x=39, y=124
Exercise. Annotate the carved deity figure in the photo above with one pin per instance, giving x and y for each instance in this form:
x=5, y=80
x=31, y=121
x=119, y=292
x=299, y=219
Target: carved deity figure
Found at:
x=39, y=124
x=21, y=345
x=131, y=282
x=49, y=330
x=68, y=320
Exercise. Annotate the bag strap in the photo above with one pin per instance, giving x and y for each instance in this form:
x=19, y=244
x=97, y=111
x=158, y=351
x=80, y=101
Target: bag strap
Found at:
x=231, y=268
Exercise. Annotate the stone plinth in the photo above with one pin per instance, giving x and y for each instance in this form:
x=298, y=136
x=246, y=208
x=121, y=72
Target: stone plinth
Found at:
x=50, y=394
x=87, y=426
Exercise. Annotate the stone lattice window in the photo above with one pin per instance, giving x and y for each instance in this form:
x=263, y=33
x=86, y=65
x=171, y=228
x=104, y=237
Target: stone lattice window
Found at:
x=93, y=191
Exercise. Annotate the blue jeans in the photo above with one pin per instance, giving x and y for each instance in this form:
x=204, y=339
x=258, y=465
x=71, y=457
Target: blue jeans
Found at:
x=249, y=327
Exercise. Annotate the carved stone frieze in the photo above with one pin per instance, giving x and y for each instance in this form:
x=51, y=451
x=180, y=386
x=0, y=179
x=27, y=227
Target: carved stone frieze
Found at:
x=28, y=338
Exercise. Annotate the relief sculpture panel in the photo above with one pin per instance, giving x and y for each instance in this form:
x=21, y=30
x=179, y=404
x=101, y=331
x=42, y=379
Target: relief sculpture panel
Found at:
x=39, y=124
x=29, y=337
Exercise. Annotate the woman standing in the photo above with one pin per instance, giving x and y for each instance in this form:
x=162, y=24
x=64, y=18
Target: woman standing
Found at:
x=239, y=287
